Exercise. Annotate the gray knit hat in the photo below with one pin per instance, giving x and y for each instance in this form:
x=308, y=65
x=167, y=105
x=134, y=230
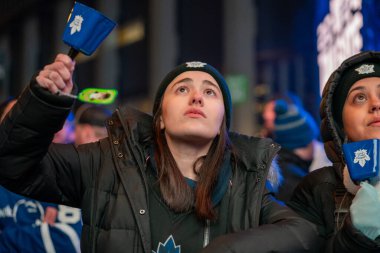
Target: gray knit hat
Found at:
x=196, y=66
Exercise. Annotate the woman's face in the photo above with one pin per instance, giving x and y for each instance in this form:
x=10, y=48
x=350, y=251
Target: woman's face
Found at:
x=361, y=111
x=192, y=108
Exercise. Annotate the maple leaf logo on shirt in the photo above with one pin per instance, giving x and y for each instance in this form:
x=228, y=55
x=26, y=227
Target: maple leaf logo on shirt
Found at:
x=168, y=247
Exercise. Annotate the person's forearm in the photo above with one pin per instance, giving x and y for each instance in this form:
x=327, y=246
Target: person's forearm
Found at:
x=27, y=131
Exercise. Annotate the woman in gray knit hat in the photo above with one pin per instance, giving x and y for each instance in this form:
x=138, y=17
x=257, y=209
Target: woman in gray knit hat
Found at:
x=347, y=213
x=175, y=182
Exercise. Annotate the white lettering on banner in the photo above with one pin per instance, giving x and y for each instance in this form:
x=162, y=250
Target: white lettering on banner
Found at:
x=6, y=212
x=338, y=36
x=68, y=214
x=26, y=210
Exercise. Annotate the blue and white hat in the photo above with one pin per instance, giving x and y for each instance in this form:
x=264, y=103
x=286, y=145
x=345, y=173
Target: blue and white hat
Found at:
x=293, y=126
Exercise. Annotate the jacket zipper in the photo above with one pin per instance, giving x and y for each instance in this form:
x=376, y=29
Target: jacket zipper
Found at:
x=206, y=234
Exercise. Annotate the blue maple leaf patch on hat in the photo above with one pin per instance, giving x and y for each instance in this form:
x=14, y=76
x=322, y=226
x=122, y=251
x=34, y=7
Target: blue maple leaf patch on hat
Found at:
x=168, y=247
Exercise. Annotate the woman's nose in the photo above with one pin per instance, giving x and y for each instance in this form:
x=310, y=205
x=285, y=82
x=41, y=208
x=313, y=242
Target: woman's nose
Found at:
x=375, y=107
x=197, y=98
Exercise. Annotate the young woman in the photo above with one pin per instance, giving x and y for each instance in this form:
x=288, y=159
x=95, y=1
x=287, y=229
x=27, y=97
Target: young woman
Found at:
x=177, y=182
x=347, y=214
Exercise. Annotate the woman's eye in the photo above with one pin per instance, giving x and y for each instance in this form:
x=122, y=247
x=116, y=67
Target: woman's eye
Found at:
x=210, y=92
x=360, y=98
x=182, y=89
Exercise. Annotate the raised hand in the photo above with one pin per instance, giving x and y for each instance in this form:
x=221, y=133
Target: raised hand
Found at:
x=57, y=76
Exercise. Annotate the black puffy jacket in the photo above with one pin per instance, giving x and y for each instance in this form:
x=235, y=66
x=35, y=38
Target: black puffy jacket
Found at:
x=321, y=197
x=107, y=181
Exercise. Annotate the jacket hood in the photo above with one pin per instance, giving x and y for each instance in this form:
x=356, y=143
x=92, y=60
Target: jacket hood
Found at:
x=332, y=135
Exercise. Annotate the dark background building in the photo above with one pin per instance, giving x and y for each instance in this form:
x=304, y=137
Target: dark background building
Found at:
x=262, y=46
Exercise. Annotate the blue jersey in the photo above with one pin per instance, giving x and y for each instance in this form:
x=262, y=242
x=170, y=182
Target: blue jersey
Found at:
x=23, y=228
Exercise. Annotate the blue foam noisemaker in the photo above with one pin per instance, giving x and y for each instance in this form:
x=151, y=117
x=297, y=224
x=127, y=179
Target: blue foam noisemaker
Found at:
x=362, y=159
x=86, y=28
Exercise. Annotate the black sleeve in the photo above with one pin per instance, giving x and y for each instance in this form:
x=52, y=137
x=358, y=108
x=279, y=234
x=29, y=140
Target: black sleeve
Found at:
x=29, y=164
x=313, y=199
x=281, y=230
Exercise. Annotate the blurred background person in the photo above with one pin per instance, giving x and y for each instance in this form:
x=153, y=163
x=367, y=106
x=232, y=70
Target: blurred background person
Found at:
x=291, y=126
x=268, y=117
x=90, y=123
x=67, y=133
x=28, y=225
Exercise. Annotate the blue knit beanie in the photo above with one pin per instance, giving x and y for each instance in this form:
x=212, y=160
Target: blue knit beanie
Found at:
x=293, y=126
x=196, y=66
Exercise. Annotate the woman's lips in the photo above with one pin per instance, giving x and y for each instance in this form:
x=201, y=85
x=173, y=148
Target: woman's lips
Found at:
x=375, y=122
x=195, y=113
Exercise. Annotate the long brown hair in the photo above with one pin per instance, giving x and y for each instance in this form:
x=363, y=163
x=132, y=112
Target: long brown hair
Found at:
x=177, y=194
